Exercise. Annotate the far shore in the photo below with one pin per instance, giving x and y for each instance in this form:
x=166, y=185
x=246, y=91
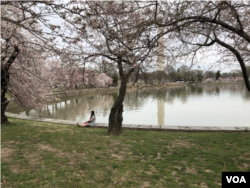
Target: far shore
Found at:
x=131, y=87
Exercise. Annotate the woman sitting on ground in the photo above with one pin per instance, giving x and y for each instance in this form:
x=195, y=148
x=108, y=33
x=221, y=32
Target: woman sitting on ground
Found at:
x=90, y=122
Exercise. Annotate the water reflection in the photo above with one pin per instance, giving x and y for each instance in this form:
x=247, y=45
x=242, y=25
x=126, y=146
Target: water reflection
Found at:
x=160, y=111
x=203, y=105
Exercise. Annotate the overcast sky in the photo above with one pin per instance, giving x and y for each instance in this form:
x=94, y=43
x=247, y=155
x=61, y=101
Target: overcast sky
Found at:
x=207, y=61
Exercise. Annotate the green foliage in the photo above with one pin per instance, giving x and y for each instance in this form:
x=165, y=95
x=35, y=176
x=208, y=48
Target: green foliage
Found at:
x=159, y=76
x=115, y=79
x=7, y=95
x=199, y=77
x=217, y=75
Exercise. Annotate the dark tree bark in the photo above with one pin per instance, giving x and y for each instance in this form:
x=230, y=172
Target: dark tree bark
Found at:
x=115, y=116
x=5, y=76
x=240, y=60
x=4, y=102
x=4, y=118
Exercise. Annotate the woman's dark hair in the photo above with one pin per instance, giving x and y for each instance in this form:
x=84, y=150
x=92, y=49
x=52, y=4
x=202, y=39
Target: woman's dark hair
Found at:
x=92, y=113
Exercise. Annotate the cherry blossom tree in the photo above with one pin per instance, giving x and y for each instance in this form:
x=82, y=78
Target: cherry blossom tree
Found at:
x=119, y=31
x=24, y=49
x=123, y=32
x=222, y=26
x=102, y=80
x=28, y=83
x=71, y=76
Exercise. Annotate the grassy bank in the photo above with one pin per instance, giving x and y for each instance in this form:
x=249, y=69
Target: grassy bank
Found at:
x=94, y=91
x=36, y=154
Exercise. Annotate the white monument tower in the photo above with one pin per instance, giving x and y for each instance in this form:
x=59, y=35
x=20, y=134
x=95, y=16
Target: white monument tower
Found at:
x=160, y=52
x=160, y=67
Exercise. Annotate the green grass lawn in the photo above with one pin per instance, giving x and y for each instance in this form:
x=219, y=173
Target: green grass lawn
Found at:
x=36, y=154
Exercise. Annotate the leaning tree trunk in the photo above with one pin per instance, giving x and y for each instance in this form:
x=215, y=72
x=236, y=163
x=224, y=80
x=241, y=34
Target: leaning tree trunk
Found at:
x=4, y=118
x=5, y=76
x=4, y=101
x=240, y=60
x=115, y=116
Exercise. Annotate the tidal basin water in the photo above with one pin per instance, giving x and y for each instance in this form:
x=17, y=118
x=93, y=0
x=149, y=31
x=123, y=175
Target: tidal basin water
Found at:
x=204, y=105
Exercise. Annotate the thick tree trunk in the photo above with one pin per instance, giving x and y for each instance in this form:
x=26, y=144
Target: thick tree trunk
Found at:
x=4, y=79
x=4, y=101
x=115, y=116
x=5, y=76
x=4, y=118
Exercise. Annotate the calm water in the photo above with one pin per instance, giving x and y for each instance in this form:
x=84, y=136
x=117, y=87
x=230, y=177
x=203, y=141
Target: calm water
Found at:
x=207, y=105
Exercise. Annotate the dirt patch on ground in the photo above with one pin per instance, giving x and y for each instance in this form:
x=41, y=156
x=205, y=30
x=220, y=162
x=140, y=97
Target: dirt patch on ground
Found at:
x=119, y=157
x=174, y=173
x=58, y=152
x=202, y=185
x=16, y=169
x=245, y=166
x=152, y=170
x=178, y=167
x=115, y=142
x=159, y=156
x=246, y=156
x=180, y=143
x=6, y=154
x=48, y=148
x=208, y=171
x=191, y=171
x=120, y=153
x=33, y=159
x=145, y=184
